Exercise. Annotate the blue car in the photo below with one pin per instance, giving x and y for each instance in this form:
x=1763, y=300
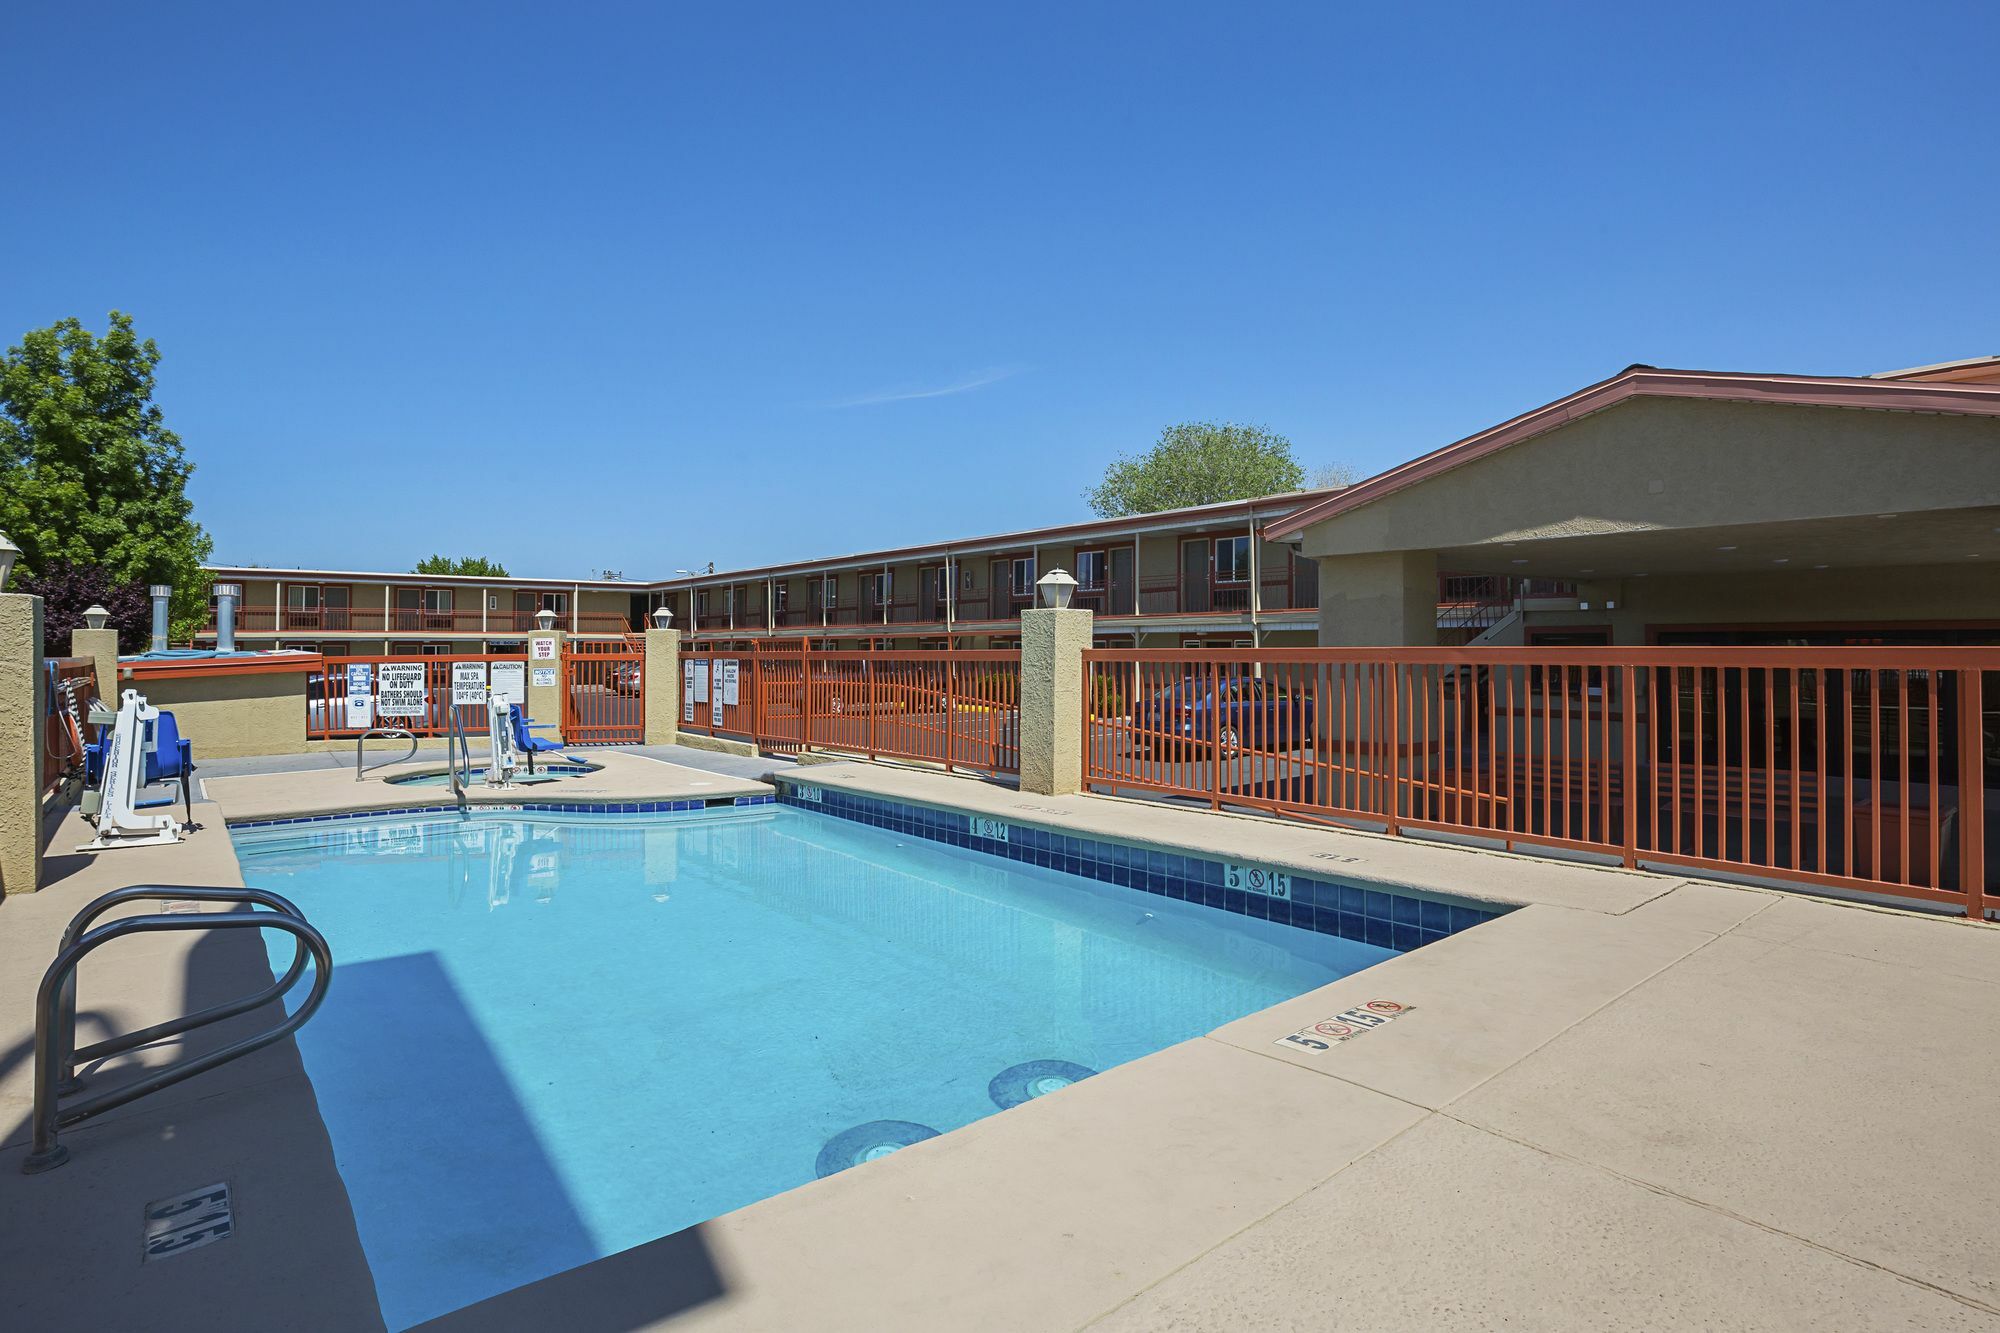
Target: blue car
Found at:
x=1252, y=711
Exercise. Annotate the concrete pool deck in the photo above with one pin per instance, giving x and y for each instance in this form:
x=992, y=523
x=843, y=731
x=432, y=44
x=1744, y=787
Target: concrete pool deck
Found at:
x=1636, y=1101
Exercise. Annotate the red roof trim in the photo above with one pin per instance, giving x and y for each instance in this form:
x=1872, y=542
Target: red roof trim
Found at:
x=1646, y=382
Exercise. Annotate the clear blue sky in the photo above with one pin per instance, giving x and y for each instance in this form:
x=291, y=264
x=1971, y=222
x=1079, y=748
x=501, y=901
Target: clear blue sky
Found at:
x=639, y=286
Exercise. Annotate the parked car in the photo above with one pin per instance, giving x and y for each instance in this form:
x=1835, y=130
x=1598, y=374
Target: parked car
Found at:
x=627, y=678
x=1251, y=710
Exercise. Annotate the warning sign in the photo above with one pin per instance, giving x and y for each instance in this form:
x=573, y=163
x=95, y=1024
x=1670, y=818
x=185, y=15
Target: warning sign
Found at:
x=468, y=682
x=400, y=690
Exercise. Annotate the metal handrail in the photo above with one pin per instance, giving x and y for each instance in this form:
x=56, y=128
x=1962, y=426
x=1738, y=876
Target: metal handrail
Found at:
x=386, y=733
x=455, y=746
x=55, y=1006
x=68, y=1057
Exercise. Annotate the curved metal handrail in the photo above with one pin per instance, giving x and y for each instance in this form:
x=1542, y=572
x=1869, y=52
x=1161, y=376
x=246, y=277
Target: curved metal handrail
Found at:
x=68, y=1057
x=386, y=733
x=45, y=1152
x=455, y=744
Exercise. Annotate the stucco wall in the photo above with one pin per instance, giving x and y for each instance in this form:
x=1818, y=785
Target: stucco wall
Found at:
x=227, y=714
x=1657, y=463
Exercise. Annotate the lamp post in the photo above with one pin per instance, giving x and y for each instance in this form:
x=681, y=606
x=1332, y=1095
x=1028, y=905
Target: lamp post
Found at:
x=663, y=616
x=1056, y=587
x=545, y=620
x=96, y=617
x=9, y=553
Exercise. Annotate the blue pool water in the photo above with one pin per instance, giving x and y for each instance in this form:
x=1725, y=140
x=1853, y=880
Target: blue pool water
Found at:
x=553, y=1037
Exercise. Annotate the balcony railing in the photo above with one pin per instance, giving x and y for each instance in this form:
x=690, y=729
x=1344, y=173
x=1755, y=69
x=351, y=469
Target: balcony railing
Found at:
x=408, y=620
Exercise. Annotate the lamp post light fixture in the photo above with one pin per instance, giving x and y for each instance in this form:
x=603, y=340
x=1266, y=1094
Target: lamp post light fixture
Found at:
x=1057, y=587
x=9, y=553
x=545, y=620
x=663, y=616
x=96, y=617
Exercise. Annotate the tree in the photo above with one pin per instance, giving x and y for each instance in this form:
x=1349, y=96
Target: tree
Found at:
x=463, y=564
x=1195, y=463
x=89, y=473
x=68, y=589
x=1329, y=475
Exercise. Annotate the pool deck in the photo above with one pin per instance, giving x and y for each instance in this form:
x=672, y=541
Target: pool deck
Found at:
x=1635, y=1102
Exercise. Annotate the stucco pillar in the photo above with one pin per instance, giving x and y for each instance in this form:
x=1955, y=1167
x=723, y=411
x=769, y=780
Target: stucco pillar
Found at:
x=1052, y=724
x=545, y=660
x=101, y=647
x=22, y=706
x=1384, y=599
x=661, y=681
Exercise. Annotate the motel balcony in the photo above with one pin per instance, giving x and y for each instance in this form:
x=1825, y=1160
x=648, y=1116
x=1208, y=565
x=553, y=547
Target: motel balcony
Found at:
x=402, y=620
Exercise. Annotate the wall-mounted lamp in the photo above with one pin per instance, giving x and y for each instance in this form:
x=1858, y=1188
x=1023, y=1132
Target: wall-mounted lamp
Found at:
x=96, y=617
x=663, y=616
x=545, y=620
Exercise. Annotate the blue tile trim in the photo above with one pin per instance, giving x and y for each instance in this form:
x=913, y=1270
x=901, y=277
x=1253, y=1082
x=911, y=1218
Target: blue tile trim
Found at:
x=1329, y=907
x=529, y=807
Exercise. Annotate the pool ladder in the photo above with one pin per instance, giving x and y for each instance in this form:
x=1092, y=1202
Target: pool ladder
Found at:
x=56, y=1053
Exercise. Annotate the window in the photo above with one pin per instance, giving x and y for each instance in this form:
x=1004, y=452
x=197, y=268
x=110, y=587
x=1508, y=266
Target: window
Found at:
x=944, y=573
x=1232, y=559
x=410, y=649
x=880, y=585
x=437, y=601
x=1089, y=570
x=1022, y=578
x=781, y=596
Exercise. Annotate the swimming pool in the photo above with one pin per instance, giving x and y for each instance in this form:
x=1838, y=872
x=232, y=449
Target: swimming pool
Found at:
x=553, y=1037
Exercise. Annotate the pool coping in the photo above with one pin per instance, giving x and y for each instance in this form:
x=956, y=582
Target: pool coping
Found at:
x=1061, y=1211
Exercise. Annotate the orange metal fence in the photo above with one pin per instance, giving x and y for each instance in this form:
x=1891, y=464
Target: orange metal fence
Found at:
x=603, y=694
x=957, y=708
x=71, y=684
x=1870, y=769
x=386, y=692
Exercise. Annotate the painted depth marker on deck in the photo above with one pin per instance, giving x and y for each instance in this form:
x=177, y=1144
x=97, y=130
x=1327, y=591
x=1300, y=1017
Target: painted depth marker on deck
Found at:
x=188, y=1221
x=1345, y=1025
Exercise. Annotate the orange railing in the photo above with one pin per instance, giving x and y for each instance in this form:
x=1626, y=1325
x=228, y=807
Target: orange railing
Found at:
x=1868, y=769
x=956, y=708
x=331, y=714
x=64, y=728
x=341, y=620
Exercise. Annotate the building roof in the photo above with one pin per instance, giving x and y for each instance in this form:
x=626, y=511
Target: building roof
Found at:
x=241, y=572
x=1899, y=395
x=1977, y=369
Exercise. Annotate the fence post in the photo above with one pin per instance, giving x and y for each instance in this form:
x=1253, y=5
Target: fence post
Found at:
x=660, y=686
x=1052, y=718
x=1972, y=849
x=23, y=725
x=101, y=647
x=1629, y=763
x=547, y=703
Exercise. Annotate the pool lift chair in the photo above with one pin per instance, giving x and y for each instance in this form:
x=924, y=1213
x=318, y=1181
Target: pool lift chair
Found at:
x=142, y=745
x=523, y=738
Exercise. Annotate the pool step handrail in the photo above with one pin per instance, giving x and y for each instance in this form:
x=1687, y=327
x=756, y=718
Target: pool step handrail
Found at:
x=56, y=1053
x=458, y=751
x=384, y=733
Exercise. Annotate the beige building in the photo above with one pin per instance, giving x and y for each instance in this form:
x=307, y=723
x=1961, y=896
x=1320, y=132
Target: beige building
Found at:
x=1666, y=506
x=1658, y=506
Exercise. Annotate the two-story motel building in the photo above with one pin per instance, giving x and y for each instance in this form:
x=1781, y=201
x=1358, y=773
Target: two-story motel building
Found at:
x=1657, y=506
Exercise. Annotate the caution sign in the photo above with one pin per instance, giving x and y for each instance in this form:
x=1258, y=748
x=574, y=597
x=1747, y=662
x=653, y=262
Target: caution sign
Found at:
x=400, y=690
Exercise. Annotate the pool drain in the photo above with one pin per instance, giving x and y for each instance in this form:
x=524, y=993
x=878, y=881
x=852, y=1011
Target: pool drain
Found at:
x=864, y=1143
x=1037, y=1078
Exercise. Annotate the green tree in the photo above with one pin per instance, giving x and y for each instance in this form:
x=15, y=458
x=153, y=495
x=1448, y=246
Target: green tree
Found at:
x=89, y=472
x=1195, y=463
x=462, y=564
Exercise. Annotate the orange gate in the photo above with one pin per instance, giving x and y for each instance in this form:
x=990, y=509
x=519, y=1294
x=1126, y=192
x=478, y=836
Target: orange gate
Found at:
x=603, y=690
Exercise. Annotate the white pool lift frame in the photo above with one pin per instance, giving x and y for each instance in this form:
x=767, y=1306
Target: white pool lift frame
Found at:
x=119, y=823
